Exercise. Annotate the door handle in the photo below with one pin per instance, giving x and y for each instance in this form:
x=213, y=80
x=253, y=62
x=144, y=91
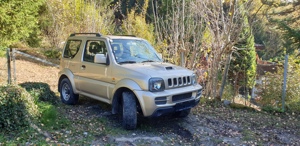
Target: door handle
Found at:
x=82, y=66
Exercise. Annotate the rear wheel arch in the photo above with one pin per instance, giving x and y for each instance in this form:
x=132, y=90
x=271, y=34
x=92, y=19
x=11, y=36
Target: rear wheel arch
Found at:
x=59, y=81
x=69, y=75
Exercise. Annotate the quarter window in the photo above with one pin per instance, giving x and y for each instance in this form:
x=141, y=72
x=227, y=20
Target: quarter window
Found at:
x=72, y=48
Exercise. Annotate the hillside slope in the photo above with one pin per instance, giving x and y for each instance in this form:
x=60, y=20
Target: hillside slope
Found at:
x=28, y=71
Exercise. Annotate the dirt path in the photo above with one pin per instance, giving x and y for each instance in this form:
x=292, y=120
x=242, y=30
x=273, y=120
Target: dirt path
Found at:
x=27, y=71
x=207, y=125
x=211, y=124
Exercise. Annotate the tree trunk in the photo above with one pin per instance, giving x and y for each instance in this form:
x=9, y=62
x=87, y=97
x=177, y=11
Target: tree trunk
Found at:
x=8, y=53
x=224, y=78
x=236, y=87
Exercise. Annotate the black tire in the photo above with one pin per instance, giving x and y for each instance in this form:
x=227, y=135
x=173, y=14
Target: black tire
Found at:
x=128, y=111
x=182, y=114
x=66, y=92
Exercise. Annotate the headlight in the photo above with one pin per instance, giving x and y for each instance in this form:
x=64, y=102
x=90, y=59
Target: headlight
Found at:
x=194, y=79
x=156, y=84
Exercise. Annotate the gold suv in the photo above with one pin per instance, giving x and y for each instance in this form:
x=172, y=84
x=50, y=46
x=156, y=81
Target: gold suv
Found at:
x=126, y=72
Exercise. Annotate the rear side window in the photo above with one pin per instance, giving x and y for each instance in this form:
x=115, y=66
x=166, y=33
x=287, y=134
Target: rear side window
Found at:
x=72, y=48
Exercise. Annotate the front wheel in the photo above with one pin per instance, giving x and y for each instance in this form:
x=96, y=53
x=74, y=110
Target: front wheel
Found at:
x=66, y=92
x=128, y=111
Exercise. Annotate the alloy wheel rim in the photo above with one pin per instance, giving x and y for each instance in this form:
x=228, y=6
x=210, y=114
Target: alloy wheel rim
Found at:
x=66, y=92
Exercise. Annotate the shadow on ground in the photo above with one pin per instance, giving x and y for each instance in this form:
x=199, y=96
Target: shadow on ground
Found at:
x=41, y=91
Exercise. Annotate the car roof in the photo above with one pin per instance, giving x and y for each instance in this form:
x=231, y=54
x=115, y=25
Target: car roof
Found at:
x=98, y=35
x=122, y=37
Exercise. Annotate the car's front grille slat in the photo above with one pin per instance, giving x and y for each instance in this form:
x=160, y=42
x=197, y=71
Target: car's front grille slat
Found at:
x=179, y=81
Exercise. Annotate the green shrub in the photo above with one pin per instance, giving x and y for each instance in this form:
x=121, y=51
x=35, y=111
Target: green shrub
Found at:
x=52, y=53
x=228, y=92
x=45, y=99
x=40, y=92
x=136, y=24
x=272, y=91
x=2, y=52
x=272, y=109
x=17, y=107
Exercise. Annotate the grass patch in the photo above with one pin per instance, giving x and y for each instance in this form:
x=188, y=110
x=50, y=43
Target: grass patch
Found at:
x=50, y=117
x=248, y=135
x=25, y=135
x=241, y=106
x=272, y=109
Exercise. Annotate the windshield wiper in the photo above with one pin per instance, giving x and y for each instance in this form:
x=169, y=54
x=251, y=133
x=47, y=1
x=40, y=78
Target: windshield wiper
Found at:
x=123, y=62
x=147, y=61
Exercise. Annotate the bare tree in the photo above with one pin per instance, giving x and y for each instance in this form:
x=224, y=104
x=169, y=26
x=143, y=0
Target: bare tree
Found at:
x=182, y=28
x=225, y=21
x=184, y=32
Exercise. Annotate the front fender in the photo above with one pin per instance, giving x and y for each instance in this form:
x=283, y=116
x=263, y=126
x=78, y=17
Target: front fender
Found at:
x=127, y=83
x=122, y=86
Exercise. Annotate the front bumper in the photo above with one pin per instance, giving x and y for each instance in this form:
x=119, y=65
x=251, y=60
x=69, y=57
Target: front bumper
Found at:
x=178, y=107
x=170, y=100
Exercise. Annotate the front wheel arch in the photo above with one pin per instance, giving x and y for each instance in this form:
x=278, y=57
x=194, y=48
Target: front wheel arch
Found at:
x=117, y=99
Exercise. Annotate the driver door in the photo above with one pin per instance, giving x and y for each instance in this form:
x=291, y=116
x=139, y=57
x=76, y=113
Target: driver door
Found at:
x=93, y=77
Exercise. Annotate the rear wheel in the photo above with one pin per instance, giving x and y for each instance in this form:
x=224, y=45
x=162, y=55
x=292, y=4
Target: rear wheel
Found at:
x=128, y=111
x=66, y=92
x=182, y=114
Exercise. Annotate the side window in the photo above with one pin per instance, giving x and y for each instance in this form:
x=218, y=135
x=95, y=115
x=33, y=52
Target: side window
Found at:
x=72, y=48
x=92, y=48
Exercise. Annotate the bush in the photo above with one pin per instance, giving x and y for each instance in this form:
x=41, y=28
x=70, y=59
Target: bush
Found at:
x=40, y=92
x=46, y=99
x=228, y=92
x=2, y=52
x=53, y=53
x=136, y=24
x=272, y=91
x=17, y=107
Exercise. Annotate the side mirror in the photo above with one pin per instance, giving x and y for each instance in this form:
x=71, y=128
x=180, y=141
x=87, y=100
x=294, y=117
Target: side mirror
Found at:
x=100, y=58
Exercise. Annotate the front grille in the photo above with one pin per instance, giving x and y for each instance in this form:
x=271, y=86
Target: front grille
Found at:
x=180, y=97
x=179, y=81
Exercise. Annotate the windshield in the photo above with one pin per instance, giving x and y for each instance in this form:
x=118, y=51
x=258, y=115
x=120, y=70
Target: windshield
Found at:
x=133, y=51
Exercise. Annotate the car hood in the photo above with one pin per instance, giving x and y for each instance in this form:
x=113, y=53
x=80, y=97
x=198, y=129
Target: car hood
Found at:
x=156, y=69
